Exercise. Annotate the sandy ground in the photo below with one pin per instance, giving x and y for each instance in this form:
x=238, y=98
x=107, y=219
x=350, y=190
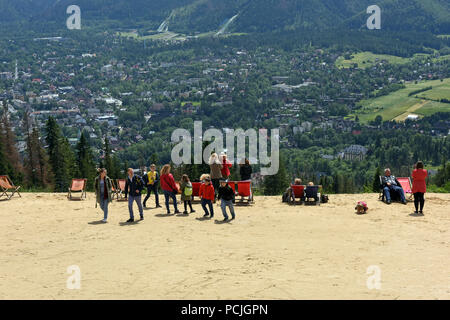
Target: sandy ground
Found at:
x=271, y=251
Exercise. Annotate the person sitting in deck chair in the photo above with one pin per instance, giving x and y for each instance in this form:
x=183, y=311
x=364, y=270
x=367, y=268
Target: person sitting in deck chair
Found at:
x=311, y=191
x=288, y=195
x=391, y=184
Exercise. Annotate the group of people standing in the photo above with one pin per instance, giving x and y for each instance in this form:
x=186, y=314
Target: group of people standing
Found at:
x=214, y=187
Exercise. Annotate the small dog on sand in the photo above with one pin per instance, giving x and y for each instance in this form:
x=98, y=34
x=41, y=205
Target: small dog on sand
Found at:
x=361, y=207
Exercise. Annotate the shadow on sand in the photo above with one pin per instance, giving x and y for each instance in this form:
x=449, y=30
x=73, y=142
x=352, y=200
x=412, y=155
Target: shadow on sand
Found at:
x=416, y=214
x=164, y=215
x=96, y=222
x=182, y=215
x=222, y=221
x=203, y=218
x=124, y=224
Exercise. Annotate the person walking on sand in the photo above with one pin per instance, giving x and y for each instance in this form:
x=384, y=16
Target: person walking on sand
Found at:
x=186, y=193
x=419, y=187
x=169, y=187
x=151, y=180
x=133, y=191
x=207, y=195
x=226, y=199
x=103, y=189
x=215, y=171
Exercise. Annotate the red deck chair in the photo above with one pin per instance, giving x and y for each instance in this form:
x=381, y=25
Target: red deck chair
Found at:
x=196, y=189
x=6, y=185
x=114, y=190
x=77, y=185
x=232, y=184
x=245, y=191
x=120, y=183
x=407, y=186
x=298, y=192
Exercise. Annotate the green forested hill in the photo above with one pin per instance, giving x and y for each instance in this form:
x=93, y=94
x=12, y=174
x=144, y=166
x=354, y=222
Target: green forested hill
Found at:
x=190, y=16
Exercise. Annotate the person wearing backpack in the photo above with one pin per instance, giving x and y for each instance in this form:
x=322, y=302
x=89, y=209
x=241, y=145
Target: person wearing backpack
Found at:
x=186, y=193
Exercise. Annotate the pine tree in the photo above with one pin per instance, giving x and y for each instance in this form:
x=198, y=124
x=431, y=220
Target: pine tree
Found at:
x=29, y=162
x=85, y=160
x=376, y=180
x=36, y=162
x=44, y=176
x=4, y=163
x=107, y=162
x=61, y=157
x=9, y=148
x=276, y=184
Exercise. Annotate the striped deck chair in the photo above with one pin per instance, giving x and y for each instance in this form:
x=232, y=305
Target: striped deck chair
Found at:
x=77, y=185
x=120, y=183
x=114, y=190
x=7, y=186
x=407, y=187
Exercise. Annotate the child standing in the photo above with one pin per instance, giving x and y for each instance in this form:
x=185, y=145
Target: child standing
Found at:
x=226, y=165
x=207, y=195
x=186, y=193
x=226, y=196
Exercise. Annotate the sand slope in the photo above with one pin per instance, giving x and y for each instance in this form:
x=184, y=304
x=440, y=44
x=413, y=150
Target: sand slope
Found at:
x=272, y=251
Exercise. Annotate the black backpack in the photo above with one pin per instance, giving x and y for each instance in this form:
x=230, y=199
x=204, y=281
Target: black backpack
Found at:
x=285, y=197
x=324, y=198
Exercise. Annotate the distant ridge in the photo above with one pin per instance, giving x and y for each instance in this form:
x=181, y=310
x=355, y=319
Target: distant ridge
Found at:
x=196, y=16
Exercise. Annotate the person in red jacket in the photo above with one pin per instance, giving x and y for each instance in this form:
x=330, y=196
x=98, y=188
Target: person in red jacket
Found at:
x=226, y=165
x=419, y=188
x=207, y=194
x=169, y=187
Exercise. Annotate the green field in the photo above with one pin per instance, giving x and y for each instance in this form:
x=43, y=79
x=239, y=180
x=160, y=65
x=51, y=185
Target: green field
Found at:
x=437, y=93
x=194, y=103
x=398, y=105
x=369, y=59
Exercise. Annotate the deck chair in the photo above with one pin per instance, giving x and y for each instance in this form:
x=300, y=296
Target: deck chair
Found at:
x=114, y=190
x=381, y=195
x=232, y=185
x=120, y=183
x=7, y=186
x=77, y=185
x=298, y=192
x=244, y=189
x=312, y=195
x=195, y=189
x=407, y=187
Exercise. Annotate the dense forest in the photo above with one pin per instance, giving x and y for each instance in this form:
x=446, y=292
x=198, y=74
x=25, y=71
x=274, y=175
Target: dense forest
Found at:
x=50, y=162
